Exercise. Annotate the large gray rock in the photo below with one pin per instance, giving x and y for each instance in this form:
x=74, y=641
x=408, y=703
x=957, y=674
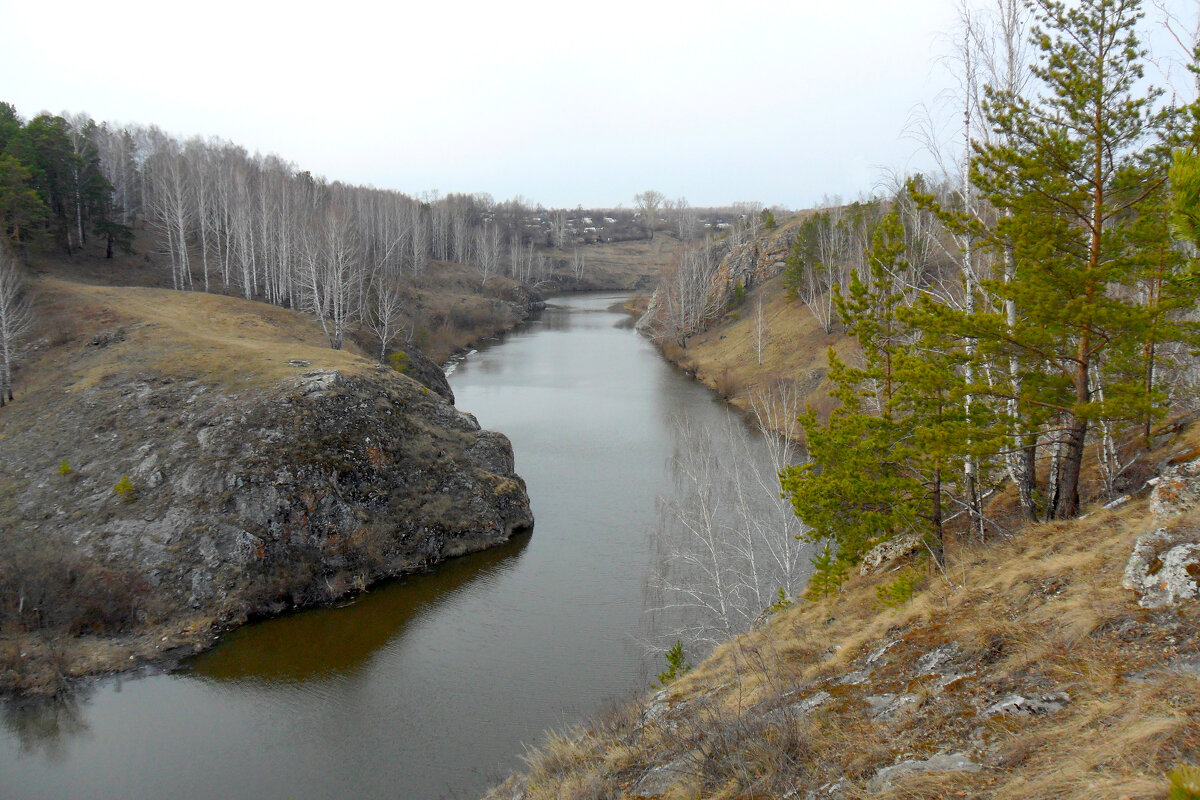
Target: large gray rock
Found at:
x=425, y=372
x=249, y=502
x=885, y=554
x=1163, y=567
x=949, y=762
x=1177, y=489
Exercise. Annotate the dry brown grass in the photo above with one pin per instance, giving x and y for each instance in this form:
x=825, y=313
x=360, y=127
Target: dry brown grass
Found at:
x=626, y=266
x=725, y=357
x=233, y=343
x=1042, y=612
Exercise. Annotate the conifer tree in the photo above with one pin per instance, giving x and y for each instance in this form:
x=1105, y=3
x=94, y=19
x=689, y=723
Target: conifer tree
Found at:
x=1063, y=171
x=881, y=466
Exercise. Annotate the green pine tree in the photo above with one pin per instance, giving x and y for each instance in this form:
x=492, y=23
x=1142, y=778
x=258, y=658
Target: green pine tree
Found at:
x=1068, y=173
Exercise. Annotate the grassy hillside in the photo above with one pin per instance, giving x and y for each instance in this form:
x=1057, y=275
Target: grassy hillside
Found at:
x=445, y=311
x=794, y=349
x=825, y=697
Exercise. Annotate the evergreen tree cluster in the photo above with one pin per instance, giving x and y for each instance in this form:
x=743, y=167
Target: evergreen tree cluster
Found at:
x=1070, y=322
x=52, y=185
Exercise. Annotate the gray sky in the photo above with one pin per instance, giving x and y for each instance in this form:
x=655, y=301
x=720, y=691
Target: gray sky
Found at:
x=562, y=103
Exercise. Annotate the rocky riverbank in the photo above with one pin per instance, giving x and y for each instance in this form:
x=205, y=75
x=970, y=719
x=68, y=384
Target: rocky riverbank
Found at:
x=205, y=461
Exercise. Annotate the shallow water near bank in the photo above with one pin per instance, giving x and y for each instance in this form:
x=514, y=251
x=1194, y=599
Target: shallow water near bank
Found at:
x=428, y=686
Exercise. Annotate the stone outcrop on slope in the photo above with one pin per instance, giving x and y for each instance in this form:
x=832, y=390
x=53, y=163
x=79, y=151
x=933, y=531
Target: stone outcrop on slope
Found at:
x=749, y=264
x=1165, y=563
x=249, y=503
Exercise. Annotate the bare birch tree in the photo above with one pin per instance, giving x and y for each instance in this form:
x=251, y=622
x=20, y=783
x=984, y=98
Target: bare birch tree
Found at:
x=578, y=263
x=332, y=274
x=16, y=318
x=384, y=313
x=726, y=544
x=487, y=252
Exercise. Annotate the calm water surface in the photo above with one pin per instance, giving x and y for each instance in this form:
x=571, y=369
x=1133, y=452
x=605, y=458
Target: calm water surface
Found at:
x=429, y=686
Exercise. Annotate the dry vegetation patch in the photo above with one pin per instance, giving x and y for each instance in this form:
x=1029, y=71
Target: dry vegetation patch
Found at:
x=827, y=694
x=794, y=350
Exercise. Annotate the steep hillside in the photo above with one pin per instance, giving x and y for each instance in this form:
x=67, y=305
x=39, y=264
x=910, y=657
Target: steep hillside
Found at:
x=1025, y=670
x=176, y=462
x=794, y=349
x=763, y=339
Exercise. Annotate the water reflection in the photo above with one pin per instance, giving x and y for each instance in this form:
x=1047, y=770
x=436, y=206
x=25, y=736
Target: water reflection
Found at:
x=43, y=727
x=343, y=639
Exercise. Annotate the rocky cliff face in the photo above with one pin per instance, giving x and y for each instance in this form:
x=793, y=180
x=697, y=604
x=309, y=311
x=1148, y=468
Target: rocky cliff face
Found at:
x=749, y=263
x=252, y=503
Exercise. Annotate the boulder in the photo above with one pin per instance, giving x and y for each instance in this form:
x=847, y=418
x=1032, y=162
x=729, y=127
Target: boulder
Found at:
x=885, y=554
x=1177, y=489
x=1163, y=568
x=947, y=762
x=425, y=372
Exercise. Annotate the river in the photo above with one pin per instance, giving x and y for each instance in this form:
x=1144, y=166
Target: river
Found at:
x=430, y=686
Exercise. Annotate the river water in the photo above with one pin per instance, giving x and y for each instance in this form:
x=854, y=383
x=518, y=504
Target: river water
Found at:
x=430, y=686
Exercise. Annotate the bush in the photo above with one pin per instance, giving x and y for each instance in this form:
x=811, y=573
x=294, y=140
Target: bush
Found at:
x=64, y=468
x=739, y=295
x=399, y=360
x=125, y=490
x=725, y=384
x=1185, y=783
x=899, y=591
x=49, y=587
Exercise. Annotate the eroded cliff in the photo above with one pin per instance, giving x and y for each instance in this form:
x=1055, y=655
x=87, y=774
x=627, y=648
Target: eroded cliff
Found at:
x=207, y=460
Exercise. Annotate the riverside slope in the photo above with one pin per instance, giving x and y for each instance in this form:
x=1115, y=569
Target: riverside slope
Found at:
x=265, y=472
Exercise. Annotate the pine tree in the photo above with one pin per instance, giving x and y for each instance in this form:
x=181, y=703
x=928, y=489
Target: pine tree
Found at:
x=856, y=491
x=1063, y=171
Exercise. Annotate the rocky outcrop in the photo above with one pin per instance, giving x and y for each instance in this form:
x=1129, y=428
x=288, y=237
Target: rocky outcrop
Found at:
x=750, y=263
x=1176, y=490
x=883, y=555
x=244, y=503
x=746, y=264
x=1165, y=563
x=1163, y=567
x=428, y=373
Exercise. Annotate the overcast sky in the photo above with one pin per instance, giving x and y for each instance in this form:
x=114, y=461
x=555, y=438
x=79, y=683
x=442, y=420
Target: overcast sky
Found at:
x=561, y=103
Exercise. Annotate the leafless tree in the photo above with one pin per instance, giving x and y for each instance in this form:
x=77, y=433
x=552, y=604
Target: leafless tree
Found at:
x=686, y=301
x=558, y=228
x=578, y=263
x=687, y=221
x=1184, y=28
x=759, y=330
x=385, y=312
x=333, y=279
x=747, y=221
x=487, y=252
x=648, y=204
x=171, y=207
x=16, y=318
x=726, y=542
